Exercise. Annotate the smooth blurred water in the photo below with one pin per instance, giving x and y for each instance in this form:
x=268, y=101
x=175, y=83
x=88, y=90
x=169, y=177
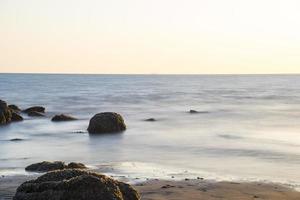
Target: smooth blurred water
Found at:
x=250, y=127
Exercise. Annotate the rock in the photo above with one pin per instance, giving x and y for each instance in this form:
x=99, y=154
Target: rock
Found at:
x=16, y=139
x=47, y=166
x=73, y=184
x=14, y=108
x=5, y=113
x=74, y=165
x=35, y=114
x=193, y=111
x=150, y=120
x=15, y=117
x=199, y=112
x=107, y=122
x=39, y=109
x=62, y=117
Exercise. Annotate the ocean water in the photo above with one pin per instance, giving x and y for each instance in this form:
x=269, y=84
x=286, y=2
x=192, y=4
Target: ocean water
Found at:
x=248, y=128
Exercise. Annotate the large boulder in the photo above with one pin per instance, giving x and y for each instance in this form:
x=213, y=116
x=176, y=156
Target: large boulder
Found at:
x=47, y=166
x=75, y=185
x=62, y=117
x=5, y=113
x=39, y=109
x=107, y=122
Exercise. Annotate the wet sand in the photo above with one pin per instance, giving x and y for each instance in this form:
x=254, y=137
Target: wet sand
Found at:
x=183, y=190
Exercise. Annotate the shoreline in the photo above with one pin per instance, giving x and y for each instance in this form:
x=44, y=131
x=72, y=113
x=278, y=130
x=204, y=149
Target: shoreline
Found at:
x=159, y=189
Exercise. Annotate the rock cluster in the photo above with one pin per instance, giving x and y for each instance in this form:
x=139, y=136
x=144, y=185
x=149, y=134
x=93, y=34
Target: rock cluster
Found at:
x=8, y=114
x=71, y=184
x=47, y=166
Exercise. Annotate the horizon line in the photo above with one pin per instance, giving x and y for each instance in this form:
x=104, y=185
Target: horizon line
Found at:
x=56, y=73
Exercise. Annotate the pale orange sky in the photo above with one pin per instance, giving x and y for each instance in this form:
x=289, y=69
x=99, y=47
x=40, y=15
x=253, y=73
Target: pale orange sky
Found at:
x=150, y=36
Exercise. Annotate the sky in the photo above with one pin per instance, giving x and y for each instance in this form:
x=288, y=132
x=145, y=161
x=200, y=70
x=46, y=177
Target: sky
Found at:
x=150, y=36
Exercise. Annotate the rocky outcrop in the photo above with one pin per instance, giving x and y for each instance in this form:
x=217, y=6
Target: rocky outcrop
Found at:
x=75, y=185
x=5, y=113
x=39, y=109
x=62, y=117
x=107, y=122
x=47, y=166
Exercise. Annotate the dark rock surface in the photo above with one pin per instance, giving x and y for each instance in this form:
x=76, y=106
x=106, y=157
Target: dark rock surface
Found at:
x=150, y=120
x=73, y=184
x=107, y=122
x=14, y=108
x=5, y=113
x=47, y=166
x=62, y=117
x=35, y=114
x=39, y=109
x=15, y=117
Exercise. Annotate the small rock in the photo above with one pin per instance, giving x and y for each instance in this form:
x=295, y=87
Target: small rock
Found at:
x=46, y=166
x=150, y=120
x=16, y=139
x=193, y=111
x=39, y=109
x=62, y=117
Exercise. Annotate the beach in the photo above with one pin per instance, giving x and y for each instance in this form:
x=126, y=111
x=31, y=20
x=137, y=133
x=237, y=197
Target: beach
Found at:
x=193, y=189
x=237, y=133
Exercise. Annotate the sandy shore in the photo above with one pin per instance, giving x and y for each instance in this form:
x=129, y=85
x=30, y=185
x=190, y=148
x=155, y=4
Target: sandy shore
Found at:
x=182, y=190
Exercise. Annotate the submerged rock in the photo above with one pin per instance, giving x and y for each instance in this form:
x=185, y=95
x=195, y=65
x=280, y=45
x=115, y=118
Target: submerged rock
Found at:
x=193, y=111
x=62, y=117
x=107, y=122
x=199, y=112
x=15, y=139
x=39, y=109
x=47, y=166
x=35, y=114
x=75, y=185
x=5, y=113
x=150, y=120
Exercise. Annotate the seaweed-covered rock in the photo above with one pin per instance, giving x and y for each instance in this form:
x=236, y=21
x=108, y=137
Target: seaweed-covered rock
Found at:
x=74, y=165
x=62, y=117
x=47, y=166
x=5, y=113
x=39, y=109
x=107, y=122
x=73, y=184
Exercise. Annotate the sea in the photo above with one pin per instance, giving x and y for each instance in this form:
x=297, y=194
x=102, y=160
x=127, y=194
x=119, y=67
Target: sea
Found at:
x=247, y=127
